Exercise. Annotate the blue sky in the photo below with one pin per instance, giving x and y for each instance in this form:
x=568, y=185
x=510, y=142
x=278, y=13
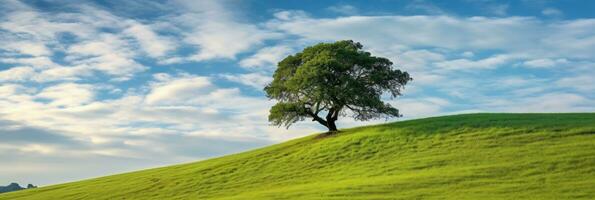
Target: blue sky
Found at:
x=94, y=88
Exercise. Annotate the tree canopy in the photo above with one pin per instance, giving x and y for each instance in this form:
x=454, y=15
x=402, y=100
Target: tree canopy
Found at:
x=329, y=80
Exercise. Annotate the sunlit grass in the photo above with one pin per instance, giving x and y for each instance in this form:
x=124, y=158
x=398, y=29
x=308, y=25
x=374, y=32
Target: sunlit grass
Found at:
x=476, y=156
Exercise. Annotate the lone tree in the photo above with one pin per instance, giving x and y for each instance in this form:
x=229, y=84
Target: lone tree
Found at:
x=329, y=80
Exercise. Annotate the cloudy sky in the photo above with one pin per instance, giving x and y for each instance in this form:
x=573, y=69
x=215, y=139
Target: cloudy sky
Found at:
x=95, y=88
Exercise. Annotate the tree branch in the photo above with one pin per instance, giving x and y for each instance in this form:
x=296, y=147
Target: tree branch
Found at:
x=317, y=118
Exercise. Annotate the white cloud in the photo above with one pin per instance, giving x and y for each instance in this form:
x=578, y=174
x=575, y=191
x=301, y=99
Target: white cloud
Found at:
x=287, y=15
x=39, y=26
x=8, y=91
x=221, y=40
x=551, y=12
x=468, y=54
x=266, y=57
x=27, y=47
x=216, y=32
x=68, y=94
x=420, y=107
x=255, y=80
x=344, y=9
x=63, y=74
x=583, y=83
x=419, y=64
x=37, y=148
x=173, y=106
x=152, y=44
x=417, y=60
x=569, y=39
x=178, y=91
x=424, y=78
x=544, y=62
x=41, y=62
x=101, y=42
x=548, y=102
x=486, y=63
x=514, y=81
x=17, y=74
x=515, y=35
x=108, y=53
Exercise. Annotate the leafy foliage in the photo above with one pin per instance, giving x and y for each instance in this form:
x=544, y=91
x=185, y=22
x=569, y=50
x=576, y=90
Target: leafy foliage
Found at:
x=332, y=79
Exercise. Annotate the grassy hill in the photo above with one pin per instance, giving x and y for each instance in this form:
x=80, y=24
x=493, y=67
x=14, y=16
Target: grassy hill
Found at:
x=472, y=156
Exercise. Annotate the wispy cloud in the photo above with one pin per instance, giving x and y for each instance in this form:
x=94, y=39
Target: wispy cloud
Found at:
x=553, y=12
x=266, y=58
x=255, y=80
x=216, y=33
x=344, y=9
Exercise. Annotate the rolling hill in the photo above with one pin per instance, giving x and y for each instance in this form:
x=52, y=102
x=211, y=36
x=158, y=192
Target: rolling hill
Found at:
x=471, y=156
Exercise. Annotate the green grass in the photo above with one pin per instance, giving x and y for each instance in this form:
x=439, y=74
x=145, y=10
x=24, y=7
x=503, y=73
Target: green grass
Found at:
x=473, y=156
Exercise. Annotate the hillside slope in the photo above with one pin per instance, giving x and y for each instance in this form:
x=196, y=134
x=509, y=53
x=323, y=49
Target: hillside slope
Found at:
x=472, y=156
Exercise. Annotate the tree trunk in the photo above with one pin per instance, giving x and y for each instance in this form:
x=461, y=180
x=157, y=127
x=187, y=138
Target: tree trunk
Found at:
x=331, y=117
x=331, y=126
x=329, y=123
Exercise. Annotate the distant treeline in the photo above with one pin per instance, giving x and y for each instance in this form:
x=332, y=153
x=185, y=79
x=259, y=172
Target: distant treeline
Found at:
x=14, y=187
